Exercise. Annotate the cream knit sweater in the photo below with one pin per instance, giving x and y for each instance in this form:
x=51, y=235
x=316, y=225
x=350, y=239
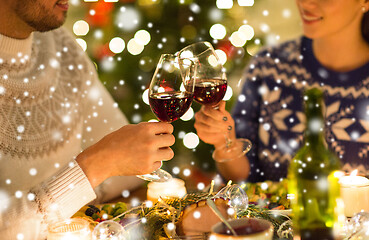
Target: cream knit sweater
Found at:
x=52, y=106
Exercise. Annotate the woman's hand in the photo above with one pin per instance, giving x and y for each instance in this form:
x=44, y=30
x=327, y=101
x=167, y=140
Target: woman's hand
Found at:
x=134, y=149
x=213, y=124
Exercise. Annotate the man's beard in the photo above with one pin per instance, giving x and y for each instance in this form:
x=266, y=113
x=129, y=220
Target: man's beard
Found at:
x=37, y=16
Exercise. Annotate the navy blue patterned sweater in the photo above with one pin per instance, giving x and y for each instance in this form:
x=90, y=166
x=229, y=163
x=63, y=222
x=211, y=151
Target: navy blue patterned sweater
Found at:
x=269, y=110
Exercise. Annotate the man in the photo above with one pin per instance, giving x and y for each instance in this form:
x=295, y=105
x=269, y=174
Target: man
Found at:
x=55, y=116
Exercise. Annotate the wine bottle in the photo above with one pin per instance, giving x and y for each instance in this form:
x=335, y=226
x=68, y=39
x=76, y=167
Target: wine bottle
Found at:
x=313, y=177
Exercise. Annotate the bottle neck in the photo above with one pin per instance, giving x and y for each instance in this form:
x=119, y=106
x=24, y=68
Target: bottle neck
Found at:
x=314, y=133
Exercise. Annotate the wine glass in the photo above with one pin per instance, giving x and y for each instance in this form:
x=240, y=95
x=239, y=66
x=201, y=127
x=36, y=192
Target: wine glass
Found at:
x=210, y=88
x=170, y=96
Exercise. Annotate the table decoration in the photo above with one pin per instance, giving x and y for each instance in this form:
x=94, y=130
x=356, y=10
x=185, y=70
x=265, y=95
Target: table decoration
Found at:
x=108, y=230
x=163, y=219
x=269, y=195
x=358, y=227
x=238, y=198
x=171, y=188
x=70, y=229
x=355, y=193
x=96, y=214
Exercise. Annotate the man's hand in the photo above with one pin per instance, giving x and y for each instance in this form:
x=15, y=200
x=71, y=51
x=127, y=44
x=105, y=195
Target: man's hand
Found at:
x=134, y=149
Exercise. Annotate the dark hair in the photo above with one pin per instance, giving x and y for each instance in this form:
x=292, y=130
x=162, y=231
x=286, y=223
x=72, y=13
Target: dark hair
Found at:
x=365, y=26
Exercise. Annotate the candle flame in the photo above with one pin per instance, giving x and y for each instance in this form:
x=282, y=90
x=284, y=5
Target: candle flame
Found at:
x=354, y=173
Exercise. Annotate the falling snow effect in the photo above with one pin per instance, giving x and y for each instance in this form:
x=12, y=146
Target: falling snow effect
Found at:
x=129, y=21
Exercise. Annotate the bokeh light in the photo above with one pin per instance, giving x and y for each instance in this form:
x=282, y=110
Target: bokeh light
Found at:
x=247, y=31
x=245, y=3
x=143, y=37
x=75, y=2
x=238, y=39
x=134, y=47
x=82, y=43
x=191, y=140
x=213, y=61
x=117, y=45
x=195, y=8
x=218, y=31
x=264, y=27
x=215, y=15
x=107, y=64
x=221, y=55
x=229, y=93
x=128, y=18
x=98, y=34
x=145, y=96
x=81, y=28
x=224, y=4
x=188, y=115
x=286, y=13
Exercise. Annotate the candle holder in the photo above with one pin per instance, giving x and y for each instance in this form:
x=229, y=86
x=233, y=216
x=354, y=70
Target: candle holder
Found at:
x=355, y=194
x=70, y=229
x=172, y=188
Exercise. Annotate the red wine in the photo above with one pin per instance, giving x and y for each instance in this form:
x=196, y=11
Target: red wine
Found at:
x=210, y=91
x=169, y=106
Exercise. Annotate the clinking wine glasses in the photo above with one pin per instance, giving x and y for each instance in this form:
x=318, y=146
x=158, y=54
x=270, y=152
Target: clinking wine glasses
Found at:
x=170, y=96
x=210, y=88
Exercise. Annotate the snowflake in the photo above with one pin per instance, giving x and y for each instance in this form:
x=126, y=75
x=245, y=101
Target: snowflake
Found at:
x=125, y=193
x=187, y=172
x=195, y=8
x=200, y=186
x=33, y=171
x=266, y=126
x=2, y=90
x=18, y=194
x=315, y=125
x=241, y=98
x=31, y=196
x=176, y=170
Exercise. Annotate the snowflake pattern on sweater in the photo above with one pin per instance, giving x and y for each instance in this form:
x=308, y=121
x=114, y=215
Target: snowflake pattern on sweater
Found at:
x=269, y=110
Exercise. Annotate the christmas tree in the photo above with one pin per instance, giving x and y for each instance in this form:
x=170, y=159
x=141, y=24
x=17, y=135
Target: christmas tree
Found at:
x=125, y=39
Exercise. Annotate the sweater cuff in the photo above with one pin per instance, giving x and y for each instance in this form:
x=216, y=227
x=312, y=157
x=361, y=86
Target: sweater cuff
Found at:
x=69, y=190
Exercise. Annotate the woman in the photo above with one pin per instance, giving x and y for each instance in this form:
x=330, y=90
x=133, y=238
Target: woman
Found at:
x=332, y=55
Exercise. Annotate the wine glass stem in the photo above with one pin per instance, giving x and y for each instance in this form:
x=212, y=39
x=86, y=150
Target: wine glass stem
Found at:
x=228, y=139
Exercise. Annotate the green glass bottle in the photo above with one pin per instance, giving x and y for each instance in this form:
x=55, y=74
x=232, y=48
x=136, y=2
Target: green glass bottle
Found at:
x=313, y=177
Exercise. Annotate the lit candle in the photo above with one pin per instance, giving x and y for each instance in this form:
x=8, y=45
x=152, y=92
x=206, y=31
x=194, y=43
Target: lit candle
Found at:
x=70, y=229
x=355, y=193
x=172, y=188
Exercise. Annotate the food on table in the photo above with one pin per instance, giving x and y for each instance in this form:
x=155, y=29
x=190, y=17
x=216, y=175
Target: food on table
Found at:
x=198, y=218
x=96, y=214
x=268, y=194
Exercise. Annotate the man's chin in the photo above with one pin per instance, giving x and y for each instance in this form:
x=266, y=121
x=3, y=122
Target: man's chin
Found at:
x=49, y=26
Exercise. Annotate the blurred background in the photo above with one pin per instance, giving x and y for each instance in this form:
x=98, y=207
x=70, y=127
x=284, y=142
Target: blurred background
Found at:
x=125, y=39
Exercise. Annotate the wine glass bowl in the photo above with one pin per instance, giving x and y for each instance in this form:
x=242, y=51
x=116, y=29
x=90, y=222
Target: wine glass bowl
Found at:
x=210, y=89
x=170, y=96
x=211, y=79
x=171, y=89
x=232, y=149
